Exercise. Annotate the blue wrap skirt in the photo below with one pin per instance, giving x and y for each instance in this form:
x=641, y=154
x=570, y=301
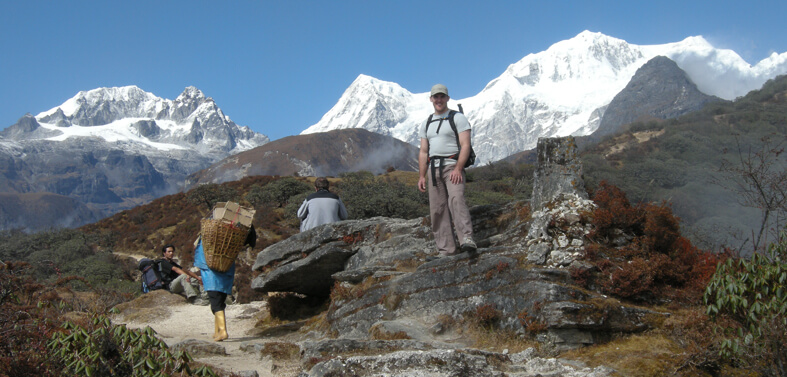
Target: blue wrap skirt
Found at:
x=213, y=280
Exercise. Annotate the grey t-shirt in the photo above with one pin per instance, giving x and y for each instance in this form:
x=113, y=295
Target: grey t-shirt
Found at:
x=443, y=143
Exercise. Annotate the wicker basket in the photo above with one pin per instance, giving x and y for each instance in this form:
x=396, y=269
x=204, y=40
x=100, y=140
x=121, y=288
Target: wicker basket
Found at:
x=221, y=242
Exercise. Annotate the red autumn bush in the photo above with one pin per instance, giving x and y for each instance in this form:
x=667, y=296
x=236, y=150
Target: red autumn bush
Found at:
x=656, y=265
x=614, y=213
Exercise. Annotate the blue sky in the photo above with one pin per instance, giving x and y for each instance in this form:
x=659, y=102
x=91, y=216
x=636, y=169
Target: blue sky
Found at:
x=278, y=66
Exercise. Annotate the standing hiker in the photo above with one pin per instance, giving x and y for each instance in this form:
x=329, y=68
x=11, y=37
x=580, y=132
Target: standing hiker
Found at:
x=178, y=280
x=321, y=207
x=218, y=284
x=443, y=155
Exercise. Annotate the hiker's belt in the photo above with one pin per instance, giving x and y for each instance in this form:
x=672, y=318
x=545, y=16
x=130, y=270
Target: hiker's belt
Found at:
x=442, y=159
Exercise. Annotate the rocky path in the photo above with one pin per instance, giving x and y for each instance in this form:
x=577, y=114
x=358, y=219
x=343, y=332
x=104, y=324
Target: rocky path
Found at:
x=179, y=322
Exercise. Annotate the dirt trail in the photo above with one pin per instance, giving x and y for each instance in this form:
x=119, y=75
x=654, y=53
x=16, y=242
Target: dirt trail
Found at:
x=197, y=322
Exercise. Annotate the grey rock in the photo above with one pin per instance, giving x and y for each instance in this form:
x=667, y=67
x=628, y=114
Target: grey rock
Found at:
x=538, y=253
x=408, y=363
x=318, y=265
x=453, y=362
x=558, y=171
x=330, y=347
x=360, y=246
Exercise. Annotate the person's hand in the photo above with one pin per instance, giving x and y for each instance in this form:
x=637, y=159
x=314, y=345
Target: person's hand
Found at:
x=456, y=175
x=422, y=184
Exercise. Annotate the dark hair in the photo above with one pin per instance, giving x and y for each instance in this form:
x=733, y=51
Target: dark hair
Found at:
x=167, y=246
x=321, y=183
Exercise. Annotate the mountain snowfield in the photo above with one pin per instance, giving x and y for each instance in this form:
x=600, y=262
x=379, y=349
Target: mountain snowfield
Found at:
x=561, y=91
x=130, y=116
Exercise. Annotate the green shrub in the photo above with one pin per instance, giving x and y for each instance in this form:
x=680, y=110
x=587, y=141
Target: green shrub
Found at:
x=753, y=292
x=277, y=193
x=211, y=193
x=103, y=349
x=367, y=196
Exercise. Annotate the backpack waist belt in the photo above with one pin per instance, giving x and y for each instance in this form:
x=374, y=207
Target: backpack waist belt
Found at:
x=432, y=166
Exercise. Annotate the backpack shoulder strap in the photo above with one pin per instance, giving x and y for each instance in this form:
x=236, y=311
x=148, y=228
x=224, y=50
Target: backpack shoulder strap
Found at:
x=451, y=119
x=453, y=125
x=428, y=122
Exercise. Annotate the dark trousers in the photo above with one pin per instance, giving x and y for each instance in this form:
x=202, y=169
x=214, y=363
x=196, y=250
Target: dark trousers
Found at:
x=217, y=301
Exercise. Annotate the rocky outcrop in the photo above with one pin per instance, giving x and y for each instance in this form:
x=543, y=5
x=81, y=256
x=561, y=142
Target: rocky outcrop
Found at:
x=385, y=284
x=387, y=298
x=448, y=363
x=557, y=229
x=352, y=249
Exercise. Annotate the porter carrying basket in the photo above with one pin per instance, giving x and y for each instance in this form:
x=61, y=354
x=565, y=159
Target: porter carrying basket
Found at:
x=223, y=236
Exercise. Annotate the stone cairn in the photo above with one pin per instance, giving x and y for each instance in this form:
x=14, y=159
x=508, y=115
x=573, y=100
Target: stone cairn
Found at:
x=556, y=235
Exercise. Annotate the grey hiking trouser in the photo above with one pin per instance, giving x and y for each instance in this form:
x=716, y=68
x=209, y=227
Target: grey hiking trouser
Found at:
x=446, y=203
x=181, y=284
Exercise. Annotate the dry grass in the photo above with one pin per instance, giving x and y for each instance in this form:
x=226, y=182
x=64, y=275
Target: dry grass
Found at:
x=409, y=178
x=281, y=350
x=379, y=333
x=497, y=340
x=646, y=355
x=408, y=265
x=478, y=336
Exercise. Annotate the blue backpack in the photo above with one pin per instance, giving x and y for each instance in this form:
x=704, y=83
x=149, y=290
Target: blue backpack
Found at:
x=151, y=274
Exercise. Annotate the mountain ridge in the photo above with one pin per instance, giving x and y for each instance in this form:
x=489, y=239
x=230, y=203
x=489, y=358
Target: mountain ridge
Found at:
x=563, y=90
x=320, y=154
x=112, y=149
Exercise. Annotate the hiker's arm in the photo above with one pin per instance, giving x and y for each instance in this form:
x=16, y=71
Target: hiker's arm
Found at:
x=464, y=153
x=303, y=211
x=423, y=162
x=187, y=273
x=342, y=211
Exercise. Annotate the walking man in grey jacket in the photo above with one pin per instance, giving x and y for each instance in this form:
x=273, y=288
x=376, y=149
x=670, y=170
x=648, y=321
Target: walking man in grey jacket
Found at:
x=321, y=207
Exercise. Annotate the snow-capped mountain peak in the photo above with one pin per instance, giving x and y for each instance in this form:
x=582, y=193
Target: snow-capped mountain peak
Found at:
x=140, y=119
x=563, y=90
x=190, y=93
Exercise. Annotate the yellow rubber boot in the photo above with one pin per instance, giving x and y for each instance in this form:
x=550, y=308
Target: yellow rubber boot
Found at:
x=215, y=327
x=221, y=327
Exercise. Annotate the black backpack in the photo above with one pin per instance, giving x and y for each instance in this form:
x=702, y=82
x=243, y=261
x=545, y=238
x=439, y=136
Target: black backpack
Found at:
x=151, y=274
x=471, y=157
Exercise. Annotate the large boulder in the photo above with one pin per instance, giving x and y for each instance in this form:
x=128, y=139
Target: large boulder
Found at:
x=305, y=262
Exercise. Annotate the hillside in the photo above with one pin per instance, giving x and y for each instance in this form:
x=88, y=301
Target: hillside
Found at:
x=33, y=211
x=321, y=154
x=693, y=162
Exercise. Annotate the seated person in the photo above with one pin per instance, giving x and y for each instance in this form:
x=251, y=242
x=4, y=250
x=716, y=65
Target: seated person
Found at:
x=321, y=207
x=178, y=280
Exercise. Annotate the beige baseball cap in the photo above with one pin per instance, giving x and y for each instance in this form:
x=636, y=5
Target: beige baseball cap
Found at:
x=439, y=88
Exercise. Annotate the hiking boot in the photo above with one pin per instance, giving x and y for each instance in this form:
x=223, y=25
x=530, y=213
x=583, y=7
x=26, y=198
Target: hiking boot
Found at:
x=468, y=246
